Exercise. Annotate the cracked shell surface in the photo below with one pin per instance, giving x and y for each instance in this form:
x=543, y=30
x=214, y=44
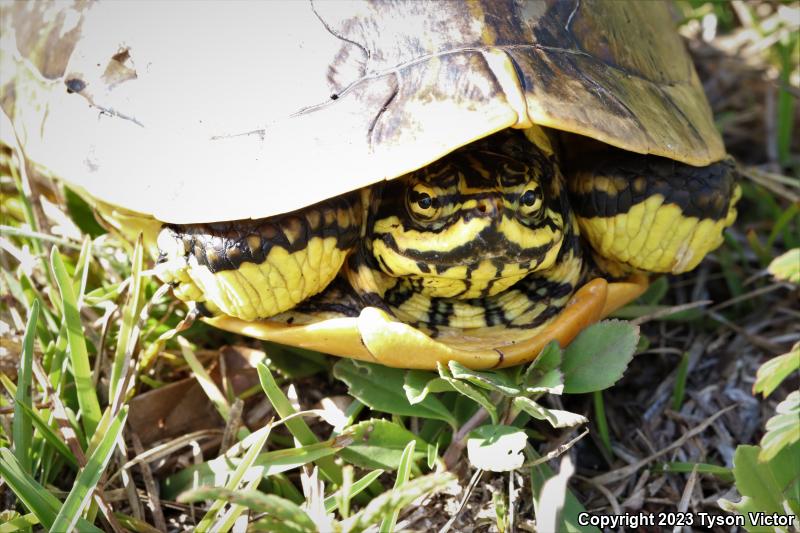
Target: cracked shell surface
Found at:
x=298, y=102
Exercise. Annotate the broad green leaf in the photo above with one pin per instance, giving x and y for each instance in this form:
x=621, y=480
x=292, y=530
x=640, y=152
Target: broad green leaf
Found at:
x=419, y=383
x=381, y=388
x=494, y=381
x=783, y=429
x=82, y=214
x=403, y=475
x=786, y=267
x=544, y=373
x=772, y=373
x=81, y=369
x=470, y=391
x=22, y=430
x=598, y=357
x=556, y=417
x=87, y=479
x=768, y=487
x=496, y=448
x=396, y=499
x=276, y=507
x=379, y=443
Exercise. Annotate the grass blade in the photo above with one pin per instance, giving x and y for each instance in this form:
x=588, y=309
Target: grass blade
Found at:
x=679, y=389
x=403, y=474
x=233, y=483
x=278, y=508
x=217, y=471
x=297, y=426
x=35, y=497
x=332, y=501
x=38, y=500
x=205, y=381
x=397, y=499
x=50, y=436
x=86, y=482
x=82, y=371
x=130, y=315
x=22, y=430
x=601, y=421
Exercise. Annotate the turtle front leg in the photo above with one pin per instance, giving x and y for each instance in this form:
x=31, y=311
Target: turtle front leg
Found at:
x=651, y=214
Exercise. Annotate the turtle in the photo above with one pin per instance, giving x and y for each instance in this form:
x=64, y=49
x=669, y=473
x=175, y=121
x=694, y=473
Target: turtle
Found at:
x=400, y=182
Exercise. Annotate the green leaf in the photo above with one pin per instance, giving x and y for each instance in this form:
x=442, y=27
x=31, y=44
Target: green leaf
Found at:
x=87, y=479
x=556, y=417
x=470, y=391
x=297, y=426
x=544, y=374
x=494, y=381
x=379, y=443
x=772, y=373
x=217, y=471
x=82, y=214
x=783, y=429
x=276, y=507
x=496, y=448
x=419, y=383
x=598, y=357
x=723, y=473
x=786, y=267
x=296, y=363
x=655, y=292
x=22, y=429
x=381, y=388
x=765, y=487
x=205, y=380
x=81, y=369
x=403, y=474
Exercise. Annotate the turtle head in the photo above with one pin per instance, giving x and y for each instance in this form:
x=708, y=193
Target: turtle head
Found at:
x=475, y=222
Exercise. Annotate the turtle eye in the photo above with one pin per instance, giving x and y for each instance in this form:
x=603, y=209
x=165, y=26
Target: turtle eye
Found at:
x=530, y=201
x=422, y=202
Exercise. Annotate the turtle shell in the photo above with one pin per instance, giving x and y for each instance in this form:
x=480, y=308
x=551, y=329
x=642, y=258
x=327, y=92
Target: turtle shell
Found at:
x=248, y=110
